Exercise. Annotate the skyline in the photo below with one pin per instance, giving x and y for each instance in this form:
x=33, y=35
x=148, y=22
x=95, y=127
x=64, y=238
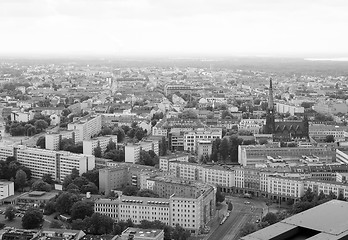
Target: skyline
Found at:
x=164, y=28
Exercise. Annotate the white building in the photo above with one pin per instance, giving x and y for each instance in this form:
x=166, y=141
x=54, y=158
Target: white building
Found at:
x=87, y=127
x=102, y=142
x=191, y=138
x=165, y=160
x=57, y=163
x=6, y=189
x=132, y=151
x=52, y=140
x=285, y=186
x=289, y=108
x=21, y=116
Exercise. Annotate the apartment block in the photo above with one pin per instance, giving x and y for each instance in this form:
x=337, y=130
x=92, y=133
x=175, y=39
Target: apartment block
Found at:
x=86, y=126
x=192, y=138
x=132, y=151
x=285, y=187
x=6, y=189
x=57, y=163
x=164, y=160
x=53, y=140
x=119, y=175
x=102, y=142
x=320, y=131
x=190, y=213
x=204, y=148
x=289, y=108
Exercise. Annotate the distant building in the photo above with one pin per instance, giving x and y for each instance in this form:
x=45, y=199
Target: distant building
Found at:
x=204, y=148
x=21, y=116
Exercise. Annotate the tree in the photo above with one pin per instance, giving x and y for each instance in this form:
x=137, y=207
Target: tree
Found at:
x=41, y=142
x=263, y=141
x=188, y=114
x=130, y=191
x=40, y=185
x=248, y=228
x=308, y=195
x=98, y=224
x=329, y=138
x=219, y=196
x=21, y=179
x=92, y=176
x=90, y=187
x=10, y=213
x=41, y=125
x=32, y=218
x=47, y=177
x=65, y=201
x=97, y=151
x=72, y=188
x=50, y=208
x=67, y=181
x=340, y=196
x=81, y=209
x=74, y=173
x=106, y=131
x=80, y=181
x=139, y=133
x=163, y=146
x=215, y=150
x=179, y=233
x=56, y=224
x=120, y=134
x=270, y=217
x=111, y=146
x=148, y=158
x=224, y=148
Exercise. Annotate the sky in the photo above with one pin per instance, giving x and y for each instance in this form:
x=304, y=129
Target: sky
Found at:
x=175, y=28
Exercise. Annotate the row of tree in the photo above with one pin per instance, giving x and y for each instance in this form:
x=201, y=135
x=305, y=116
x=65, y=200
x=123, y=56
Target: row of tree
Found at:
x=29, y=128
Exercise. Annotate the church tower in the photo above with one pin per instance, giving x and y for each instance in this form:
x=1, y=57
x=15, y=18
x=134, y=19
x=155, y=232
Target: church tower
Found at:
x=270, y=122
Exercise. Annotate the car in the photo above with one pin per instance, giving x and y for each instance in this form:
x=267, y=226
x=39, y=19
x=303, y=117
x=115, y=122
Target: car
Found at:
x=246, y=202
x=258, y=220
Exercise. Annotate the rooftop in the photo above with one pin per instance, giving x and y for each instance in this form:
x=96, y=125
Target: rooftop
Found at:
x=330, y=223
x=146, y=233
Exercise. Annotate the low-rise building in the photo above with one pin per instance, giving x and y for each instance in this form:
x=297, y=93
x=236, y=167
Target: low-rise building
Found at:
x=102, y=142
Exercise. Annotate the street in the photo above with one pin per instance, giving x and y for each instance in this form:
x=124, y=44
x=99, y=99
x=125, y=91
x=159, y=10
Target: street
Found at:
x=239, y=216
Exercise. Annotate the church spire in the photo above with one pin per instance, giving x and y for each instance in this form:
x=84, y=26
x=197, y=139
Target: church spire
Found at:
x=270, y=96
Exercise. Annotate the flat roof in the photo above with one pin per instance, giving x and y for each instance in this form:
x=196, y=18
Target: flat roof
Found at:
x=328, y=221
x=138, y=232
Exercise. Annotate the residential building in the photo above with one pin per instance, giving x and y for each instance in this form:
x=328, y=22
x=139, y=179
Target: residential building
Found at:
x=165, y=160
x=132, y=151
x=21, y=116
x=191, y=138
x=289, y=108
x=53, y=140
x=102, y=142
x=204, y=149
x=57, y=163
x=320, y=131
x=87, y=127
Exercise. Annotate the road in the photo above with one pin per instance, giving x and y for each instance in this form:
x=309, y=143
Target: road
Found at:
x=241, y=214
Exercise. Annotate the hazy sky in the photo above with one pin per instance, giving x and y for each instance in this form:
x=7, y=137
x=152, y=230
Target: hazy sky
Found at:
x=175, y=27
